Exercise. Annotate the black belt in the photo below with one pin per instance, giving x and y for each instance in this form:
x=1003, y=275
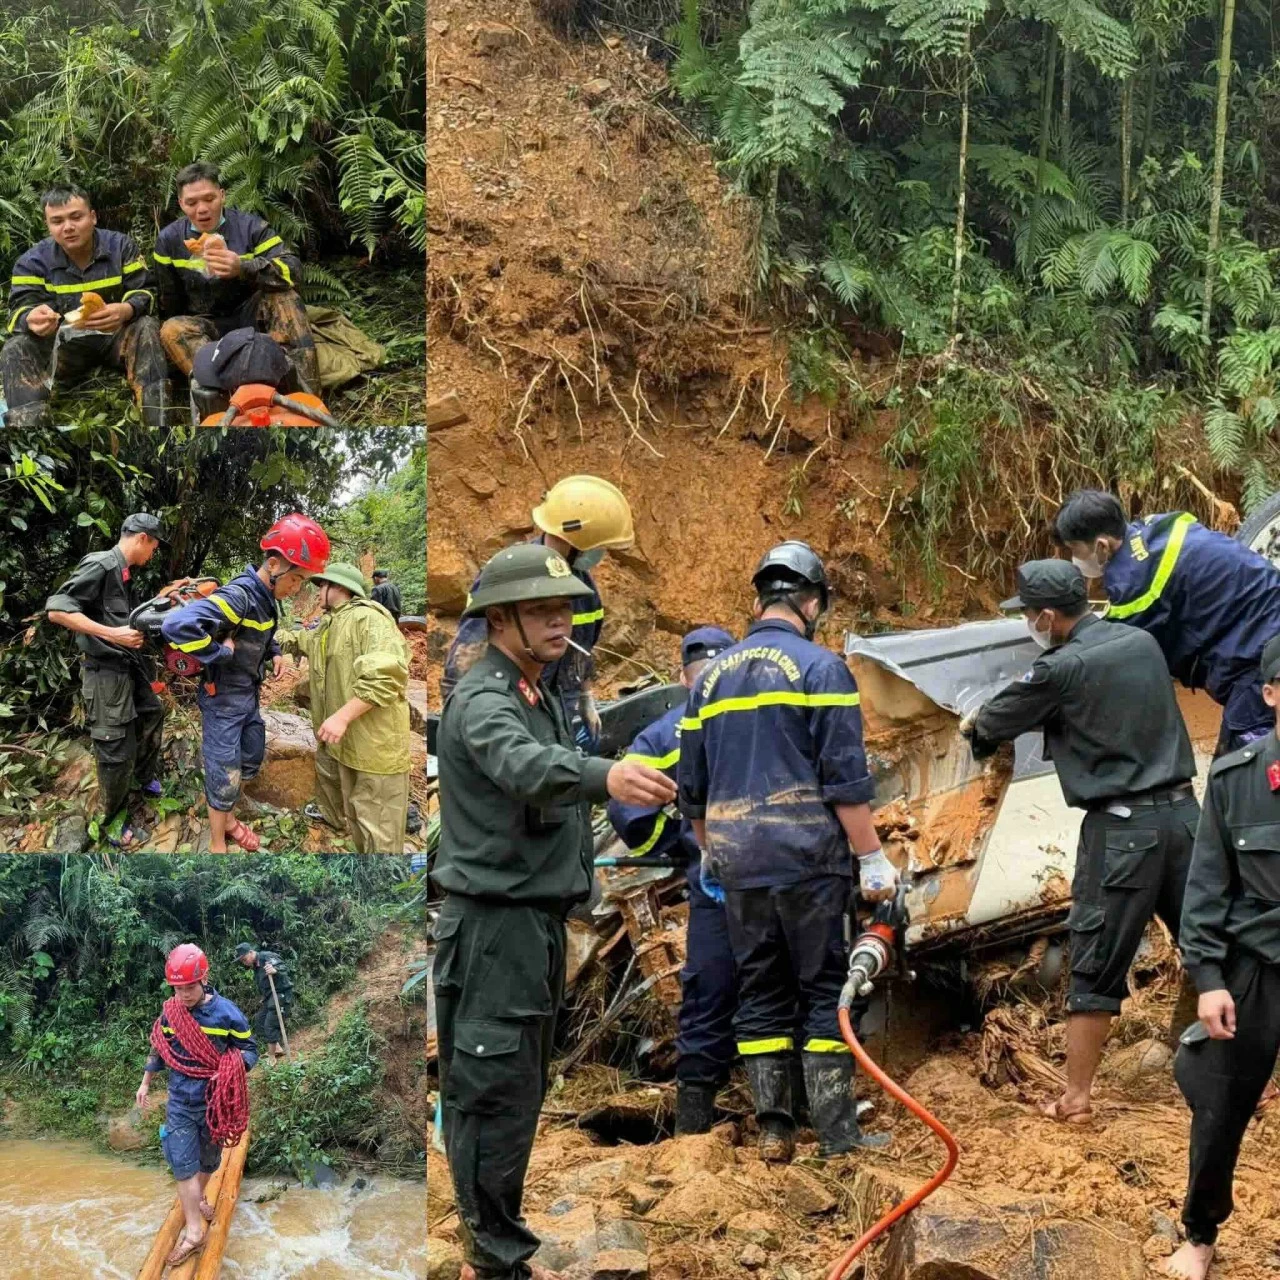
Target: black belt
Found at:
x=1151, y=799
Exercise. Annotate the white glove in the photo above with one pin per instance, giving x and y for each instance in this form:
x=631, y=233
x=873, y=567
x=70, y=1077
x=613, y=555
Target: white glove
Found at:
x=877, y=875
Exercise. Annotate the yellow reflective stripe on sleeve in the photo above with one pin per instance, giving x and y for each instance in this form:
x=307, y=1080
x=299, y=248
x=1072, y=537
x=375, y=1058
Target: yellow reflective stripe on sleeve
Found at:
x=284, y=271
x=654, y=762
x=192, y=645
x=138, y=293
x=139, y=265
x=239, y=1035
x=658, y=828
x=581, y=619
x=690, y=724
x=160, y=257
x=88, y=286
x=775, y=698
x=1164, y=571
x=17, y=315
x=210, y=1031
x=269, y=243
x=259, y=626
x=826, y=1046
x=226, y=608
x=779, y=1044
x=27, y=280
x=191, y=264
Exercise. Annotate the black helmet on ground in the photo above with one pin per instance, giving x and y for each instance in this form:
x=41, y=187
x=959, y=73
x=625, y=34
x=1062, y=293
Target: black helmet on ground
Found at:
x=789, y=567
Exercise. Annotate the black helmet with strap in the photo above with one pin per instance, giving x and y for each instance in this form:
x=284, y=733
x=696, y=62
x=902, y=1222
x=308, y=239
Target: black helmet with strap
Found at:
x=790, y=567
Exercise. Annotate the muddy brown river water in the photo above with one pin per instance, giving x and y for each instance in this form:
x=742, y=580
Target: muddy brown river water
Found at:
x=68, y=1210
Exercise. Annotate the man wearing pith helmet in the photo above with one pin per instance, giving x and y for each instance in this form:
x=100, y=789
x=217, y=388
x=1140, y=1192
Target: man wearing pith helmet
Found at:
x=515, y=857
x=581, y=517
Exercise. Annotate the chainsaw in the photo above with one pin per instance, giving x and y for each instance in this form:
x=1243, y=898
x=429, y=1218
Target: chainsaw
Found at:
x=148, y=618
x=258, y=405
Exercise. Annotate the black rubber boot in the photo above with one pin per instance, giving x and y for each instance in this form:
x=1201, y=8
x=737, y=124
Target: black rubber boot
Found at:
x=829, y=1079
x=770, y=1077
x=799, y=1092
x=695, y=1108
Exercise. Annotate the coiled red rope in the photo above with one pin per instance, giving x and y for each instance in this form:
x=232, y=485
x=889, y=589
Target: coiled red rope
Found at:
x=227, y=1098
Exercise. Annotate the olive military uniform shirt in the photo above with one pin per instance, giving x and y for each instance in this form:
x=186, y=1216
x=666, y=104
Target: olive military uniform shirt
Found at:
x=99, y=587
x=284, y=984
x=515, y=795
x=1110, y=718
x=1233, y=888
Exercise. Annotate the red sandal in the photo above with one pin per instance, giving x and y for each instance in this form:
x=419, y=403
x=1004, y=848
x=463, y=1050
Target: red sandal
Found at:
x=244, y=836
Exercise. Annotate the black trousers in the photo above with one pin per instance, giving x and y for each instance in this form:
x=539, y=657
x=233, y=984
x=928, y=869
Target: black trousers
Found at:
x=708, y=993
x=125, y=720
x=499, y=980
x=790, y=954
x=1127, y=870
x=1222, y=1081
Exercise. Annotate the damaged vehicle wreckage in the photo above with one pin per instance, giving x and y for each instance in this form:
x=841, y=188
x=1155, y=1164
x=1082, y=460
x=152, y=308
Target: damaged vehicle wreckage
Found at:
x=986, y=850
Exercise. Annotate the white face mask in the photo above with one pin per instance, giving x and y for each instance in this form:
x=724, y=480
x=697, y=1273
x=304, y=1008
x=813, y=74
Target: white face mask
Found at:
x=1088, y=565
x=1043, y=638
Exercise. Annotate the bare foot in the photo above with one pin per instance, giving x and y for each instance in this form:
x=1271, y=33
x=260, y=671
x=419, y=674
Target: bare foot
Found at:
x=1191, y=1262
x=1066, y=1112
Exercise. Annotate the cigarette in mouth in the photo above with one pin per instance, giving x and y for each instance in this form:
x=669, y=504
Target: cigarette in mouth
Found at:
x=574, y=644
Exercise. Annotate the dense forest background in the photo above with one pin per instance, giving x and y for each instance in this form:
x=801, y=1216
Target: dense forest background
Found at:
x=313, y=109
x=1064, y=214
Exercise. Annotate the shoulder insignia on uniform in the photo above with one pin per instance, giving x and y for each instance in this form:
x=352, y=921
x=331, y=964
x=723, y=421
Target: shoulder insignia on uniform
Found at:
x=1242, y=755
x=530, y=693
x=1138, y=547
x=558, y=567
x=124, y=573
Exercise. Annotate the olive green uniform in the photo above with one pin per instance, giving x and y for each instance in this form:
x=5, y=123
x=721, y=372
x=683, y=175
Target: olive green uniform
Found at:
x=515, y=857
x=1230, y=939
x=124, y=717
x=362, y=782
x=266, y=1023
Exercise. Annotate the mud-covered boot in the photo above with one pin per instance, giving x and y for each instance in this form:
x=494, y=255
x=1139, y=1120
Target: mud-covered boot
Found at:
x=829, y=1080
x=695, y=1108
x=770, y=1077
x=799, y=1092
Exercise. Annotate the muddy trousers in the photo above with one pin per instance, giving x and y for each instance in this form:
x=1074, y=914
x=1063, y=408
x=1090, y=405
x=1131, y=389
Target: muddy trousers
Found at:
x=233, y=742
x=499, y=980
x=373, y=808
x=709, y=994
x=280, y=315
x=126, y=726
x=1222, y=1081
x=28, y=368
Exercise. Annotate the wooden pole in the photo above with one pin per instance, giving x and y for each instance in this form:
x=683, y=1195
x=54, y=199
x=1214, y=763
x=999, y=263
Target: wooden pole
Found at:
x=275, y=1000
x=210, y=1257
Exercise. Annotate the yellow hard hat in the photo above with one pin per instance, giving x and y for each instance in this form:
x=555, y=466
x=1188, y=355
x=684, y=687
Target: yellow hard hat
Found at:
x=587, y=513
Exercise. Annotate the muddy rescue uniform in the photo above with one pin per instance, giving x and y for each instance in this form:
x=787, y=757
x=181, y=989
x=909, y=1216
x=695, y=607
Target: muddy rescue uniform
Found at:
x=1114, y=733
x=1230, y=939
x=124, y=717
x=1212, y=604
x=515, y=857
x=564, y=677
x=770, y=742
x=196, y=309
x=709, y=994
x=265, y=1022
x=30, y=365
x=184, y=1137
x=233, y=736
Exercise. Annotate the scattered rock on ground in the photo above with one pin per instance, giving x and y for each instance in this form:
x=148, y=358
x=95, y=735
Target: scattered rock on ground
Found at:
x=620, y=1264
x=72, y=835
x=1139, y=1067
x=124, y=1132
x=756, y=1226
x=804, y=1194
x=595, y=91
x=492, y=37
x=706, y=1201
x=568, y=1236
x=753, y=1257
x=288, y=775
x=681, y=1157
x=444, y=1260
x=449, y=576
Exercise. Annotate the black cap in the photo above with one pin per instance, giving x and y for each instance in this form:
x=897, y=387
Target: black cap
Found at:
x=141, y=522
x=1271, y=660
x=240, y=357
x=380, y=573
x=243, y=950
x=1048, y=584
x=704, y=642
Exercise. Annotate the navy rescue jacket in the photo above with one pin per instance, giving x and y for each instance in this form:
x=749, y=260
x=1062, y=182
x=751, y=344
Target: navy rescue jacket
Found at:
x=771, y=740
x=564, y=677
x=651, y=829
x=226, y=1028
x=44, y=274
x=243, y=608
x=1210, y=602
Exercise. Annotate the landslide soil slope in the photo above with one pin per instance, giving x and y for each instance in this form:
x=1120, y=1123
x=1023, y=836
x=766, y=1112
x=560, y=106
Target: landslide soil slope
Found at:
x=587, y=288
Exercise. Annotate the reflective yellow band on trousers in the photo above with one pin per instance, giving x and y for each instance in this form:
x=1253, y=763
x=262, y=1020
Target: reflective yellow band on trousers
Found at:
x=778, y=1044
x=826, y=1046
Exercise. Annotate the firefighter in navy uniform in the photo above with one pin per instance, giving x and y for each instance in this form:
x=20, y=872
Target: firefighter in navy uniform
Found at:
x=1210, y=602
x=1230, y=941
x=581, y=517
x=124, y=717
x=709, y=995
x=50, y=280
x=774, y=778
x=515, y=857
x=1103, y=698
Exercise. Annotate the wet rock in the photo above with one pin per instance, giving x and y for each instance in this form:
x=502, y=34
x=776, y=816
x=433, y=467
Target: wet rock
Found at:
x=620, y=1235
x=756, y=1226
x=450, y=574
x=595, y=91
x=1139, y=1068
x=568, y=1236
x=125, y=1132
x=288, y=775
x=949, y=1238
x=72, y=835
x=803, y=1194
x=417, y=706
x=444, y=1260
x=620, y=1264
x=493, y=37
x=753, y=1257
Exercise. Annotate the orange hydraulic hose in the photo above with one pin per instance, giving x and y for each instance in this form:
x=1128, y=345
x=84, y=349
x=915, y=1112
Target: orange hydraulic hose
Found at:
x=895, y=1090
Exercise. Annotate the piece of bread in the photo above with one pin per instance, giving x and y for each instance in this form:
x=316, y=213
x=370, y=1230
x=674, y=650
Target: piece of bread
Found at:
x=90, y=303
x=205, y=240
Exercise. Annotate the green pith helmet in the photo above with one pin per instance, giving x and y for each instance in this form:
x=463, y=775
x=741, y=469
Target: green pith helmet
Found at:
x=342, y=575
x=528, y=571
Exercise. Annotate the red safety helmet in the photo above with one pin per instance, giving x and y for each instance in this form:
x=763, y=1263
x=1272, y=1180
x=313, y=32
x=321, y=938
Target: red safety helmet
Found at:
x=302, y=542
x=185, y=964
